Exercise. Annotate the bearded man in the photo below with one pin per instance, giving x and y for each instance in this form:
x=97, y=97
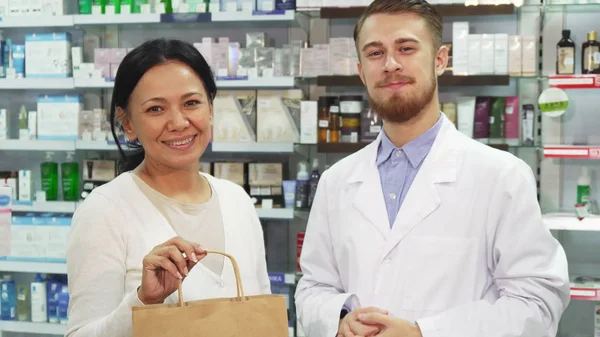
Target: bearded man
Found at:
x=425, y=232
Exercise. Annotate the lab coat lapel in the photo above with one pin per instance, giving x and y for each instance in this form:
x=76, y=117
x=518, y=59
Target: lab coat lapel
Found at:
x=422, y=199
x=369, y=195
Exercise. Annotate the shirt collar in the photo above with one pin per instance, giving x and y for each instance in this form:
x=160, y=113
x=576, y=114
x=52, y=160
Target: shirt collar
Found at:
x=416, y=150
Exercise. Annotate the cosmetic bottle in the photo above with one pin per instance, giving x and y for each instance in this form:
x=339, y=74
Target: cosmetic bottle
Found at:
x=583, y=186
x=8, y=299
x=70, y=178
x=314, y=181
x=39, y=313
x=590, y=56
x=302, y=186
x=565, y=54
x=49, y=172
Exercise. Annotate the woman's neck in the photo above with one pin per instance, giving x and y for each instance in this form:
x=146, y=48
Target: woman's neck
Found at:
x=186, y=186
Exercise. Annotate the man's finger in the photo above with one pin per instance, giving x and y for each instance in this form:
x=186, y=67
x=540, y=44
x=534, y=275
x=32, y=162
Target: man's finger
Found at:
x=374, y=318
x=346, y=330
x=371, y=309
x=360, y=329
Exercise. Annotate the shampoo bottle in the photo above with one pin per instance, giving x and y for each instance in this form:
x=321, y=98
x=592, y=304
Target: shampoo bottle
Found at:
x=302, y=186
x=70, y=178
x=63, y=304
x=22, y=302
x=39, y=312
x=583, y=186
x=314, y=181
x=49, y=172
x=23, y=123
x=2, y=44
x=8, y=299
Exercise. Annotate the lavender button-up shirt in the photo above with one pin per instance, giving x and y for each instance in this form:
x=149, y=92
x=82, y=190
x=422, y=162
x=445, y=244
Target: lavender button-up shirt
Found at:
x=398, y=167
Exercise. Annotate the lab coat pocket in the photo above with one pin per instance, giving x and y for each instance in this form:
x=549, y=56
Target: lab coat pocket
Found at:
x=439, y=272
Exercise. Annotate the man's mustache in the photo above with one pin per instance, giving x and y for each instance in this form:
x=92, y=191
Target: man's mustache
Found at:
x=395, y=79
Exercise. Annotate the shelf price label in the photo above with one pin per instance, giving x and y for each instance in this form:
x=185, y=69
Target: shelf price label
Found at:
x=574, y=81
x=585, y=294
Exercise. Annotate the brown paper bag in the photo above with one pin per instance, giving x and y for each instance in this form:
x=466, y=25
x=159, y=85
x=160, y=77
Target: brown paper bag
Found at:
x=247, y=316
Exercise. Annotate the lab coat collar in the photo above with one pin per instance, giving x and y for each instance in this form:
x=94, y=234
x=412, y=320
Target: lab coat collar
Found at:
x=440, y=166
x=445, y=149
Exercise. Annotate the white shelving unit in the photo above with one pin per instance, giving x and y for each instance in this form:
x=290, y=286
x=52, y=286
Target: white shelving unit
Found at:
x=276, y=213
x=244, y=16
x=36, y=21
x=253, y=147
x=569, y=222
x=33, y=328
x=92, y=83
x=70, y=206
x=257, y=83
x=116, y=19
x=45, y=206
x=96, y=145
x=36, y=145
x=32, y=267
x=36, y=83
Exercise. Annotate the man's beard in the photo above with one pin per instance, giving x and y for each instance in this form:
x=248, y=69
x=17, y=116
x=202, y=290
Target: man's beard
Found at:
x=399, y=109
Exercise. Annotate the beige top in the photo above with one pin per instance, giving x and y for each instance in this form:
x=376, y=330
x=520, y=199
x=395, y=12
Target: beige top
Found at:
x=200, y=223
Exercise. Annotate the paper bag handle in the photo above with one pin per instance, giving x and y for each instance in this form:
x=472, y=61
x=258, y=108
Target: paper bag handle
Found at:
x=236, y=271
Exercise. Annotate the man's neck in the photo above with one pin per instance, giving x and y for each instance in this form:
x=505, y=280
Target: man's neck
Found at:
x=402, y=133
x=185, y=186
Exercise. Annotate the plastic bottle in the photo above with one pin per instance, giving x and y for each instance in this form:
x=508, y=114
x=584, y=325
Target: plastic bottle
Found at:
x=70, y=178
x=314, y=181
x=63, y=304
x=23, y=123
x=302, y=186
x=22, y=302
x=49, y=172
x=2, y=60
x=8, y=299
x=39, y=312
x=583, y=186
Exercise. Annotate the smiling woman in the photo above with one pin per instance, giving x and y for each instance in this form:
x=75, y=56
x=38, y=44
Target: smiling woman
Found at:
x=134, y=238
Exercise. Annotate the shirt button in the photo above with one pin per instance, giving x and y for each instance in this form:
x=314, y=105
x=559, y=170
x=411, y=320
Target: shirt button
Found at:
x=392, y=196
x=398, y=153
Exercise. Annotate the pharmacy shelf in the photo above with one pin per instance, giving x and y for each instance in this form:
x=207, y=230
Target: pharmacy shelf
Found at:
x=33, y=328
x=353, y=147
x=253, y=147
x=93, y=83
x=36, y=145
x=69, y=207
x=45, y=206
x=95, y=145
x=279, y=15
x=444, y=10
x=115, y=19
x=36, y=83
x=256, y=83
x=340, y=147
x=444, y=80
x=261, y=82
x=276, y=213
x=572, y=152
x=569, y=222
x=18, y=266
x=574, y=81
x=585, y=292
x=36, y=21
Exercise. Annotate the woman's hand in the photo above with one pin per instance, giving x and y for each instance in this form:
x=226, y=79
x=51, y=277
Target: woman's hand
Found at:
x=164, y=266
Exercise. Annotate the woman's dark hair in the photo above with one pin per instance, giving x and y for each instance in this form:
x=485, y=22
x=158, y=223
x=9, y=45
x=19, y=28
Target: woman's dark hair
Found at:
x=135, y=64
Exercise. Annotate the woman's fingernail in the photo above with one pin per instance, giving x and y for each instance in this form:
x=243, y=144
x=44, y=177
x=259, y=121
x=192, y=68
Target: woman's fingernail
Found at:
x=179, y=276
x=194, y=257
x=361, y=316
x=186, y=271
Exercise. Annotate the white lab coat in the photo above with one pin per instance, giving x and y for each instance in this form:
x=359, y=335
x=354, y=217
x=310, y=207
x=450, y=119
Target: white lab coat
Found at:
x=468, y=254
